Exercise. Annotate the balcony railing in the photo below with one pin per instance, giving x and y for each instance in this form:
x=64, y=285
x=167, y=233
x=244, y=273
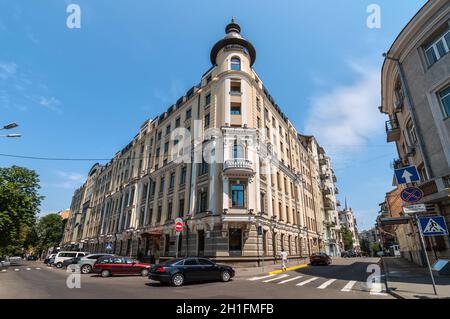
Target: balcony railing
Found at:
x=238, y=166
x=392, y=130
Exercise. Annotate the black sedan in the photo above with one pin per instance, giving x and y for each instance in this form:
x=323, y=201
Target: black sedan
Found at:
x=320, y=258
x=191, y=269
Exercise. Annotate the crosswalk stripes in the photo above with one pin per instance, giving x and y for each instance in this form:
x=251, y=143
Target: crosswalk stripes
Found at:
x=349, y=286
x=288, y=280
x=326, y=284
x=285, y=278
x=276, y=278
x=263, y=277
x=307, y=281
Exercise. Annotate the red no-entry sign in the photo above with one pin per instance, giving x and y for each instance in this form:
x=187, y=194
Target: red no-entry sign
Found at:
x=179, y=224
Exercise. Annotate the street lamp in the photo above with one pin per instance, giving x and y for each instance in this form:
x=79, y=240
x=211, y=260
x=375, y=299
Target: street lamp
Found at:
x=11, y=135
x=9, y=126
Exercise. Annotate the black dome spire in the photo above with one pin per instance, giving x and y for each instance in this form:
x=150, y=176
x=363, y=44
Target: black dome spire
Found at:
x=233, y=36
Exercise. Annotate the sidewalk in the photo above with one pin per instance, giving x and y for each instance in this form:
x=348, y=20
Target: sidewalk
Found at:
x=409, y=281
x=268, y=267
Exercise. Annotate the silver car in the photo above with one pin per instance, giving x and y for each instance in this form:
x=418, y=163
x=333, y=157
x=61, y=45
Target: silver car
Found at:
x=88, y=261
x=4, y=265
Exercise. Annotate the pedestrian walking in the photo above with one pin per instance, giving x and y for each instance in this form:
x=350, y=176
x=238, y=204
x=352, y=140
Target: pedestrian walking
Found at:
x=284, y=257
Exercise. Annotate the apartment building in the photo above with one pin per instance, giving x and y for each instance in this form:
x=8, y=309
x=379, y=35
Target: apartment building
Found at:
x=331, y=223
x=416, y=97
x=348, y=220
x=225, y=159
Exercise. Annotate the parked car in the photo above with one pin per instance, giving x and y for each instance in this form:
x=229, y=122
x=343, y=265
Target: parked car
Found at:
x=64, y=255
x=191, y=269
x=4, y=264
x=15, y=260
x=70, y=261
x=46, y=260
x=32, y=257
x=87, y=262
x=320, y=258
x=114, y=265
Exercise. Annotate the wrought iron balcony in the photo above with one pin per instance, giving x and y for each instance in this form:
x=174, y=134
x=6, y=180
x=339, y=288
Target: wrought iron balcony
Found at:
x=392, y=130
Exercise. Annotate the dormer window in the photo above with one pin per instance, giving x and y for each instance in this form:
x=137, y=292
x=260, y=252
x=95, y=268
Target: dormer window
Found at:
x=235, y=64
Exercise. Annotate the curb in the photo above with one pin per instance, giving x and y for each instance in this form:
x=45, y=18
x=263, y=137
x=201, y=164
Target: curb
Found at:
x=395, y=295
x=275, y=272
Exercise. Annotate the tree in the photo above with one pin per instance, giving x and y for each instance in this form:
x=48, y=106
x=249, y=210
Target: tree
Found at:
x=347, y=238
x=365, y=246
x=19, y=204
x=49, y=230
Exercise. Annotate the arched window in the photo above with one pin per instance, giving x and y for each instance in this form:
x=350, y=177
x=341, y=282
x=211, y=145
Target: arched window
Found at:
x=235, y=64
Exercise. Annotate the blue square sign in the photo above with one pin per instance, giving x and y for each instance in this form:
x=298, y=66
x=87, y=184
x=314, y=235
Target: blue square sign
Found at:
x=406, y=175
x=433, y=226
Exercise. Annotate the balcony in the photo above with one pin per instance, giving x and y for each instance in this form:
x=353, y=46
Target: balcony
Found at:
x=238, y=168
x=328, y=204
x=392, y=130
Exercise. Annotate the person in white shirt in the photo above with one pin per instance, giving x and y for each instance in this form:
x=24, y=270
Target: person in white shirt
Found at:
x=284, y=257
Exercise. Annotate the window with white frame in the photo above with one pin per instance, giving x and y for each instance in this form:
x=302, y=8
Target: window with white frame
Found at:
x=444, y=97
x=438, y=48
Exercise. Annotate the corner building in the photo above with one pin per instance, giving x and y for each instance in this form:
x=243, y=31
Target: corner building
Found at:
x=257, y=188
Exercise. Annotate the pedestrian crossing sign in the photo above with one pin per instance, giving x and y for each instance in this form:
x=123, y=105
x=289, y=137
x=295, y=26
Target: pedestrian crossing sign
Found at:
x=433, y=226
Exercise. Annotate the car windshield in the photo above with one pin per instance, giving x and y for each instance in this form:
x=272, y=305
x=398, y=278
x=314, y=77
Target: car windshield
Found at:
x=172, y=261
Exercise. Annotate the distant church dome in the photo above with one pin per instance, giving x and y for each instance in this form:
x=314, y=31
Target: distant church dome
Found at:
x=233, y=36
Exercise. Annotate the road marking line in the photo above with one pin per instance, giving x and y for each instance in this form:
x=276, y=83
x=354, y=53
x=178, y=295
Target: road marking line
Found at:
x=263, y=277
x=307, y=281
x=349, y=285
x=276, y=278
x=38, y=268
x=326, y=284
x=17, y=269
x=276, y=272
x=290, y=279
x=28, y=268
x=3, y=270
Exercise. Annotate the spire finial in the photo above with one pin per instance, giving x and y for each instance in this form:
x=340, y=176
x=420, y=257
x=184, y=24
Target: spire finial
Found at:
x=345, y=203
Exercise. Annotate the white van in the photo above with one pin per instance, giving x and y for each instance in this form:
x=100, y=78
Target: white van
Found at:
x=64, y=255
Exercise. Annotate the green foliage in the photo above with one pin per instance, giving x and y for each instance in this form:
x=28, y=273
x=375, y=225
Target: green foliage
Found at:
x=347, y=238
x=376, y=247
x=19, y=203
x=49, y=230
x=365, y=245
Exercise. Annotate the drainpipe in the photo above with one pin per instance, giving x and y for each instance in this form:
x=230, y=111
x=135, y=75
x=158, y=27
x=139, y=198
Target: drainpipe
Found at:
x=412, y=110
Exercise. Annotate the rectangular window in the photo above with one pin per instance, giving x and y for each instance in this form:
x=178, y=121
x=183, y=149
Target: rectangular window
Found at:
x=161, y=185
x=188, y=114
x=203, y=201
x=235, y=87
x=207, y=120
x=159, y=135
x=238, y=195
x=178, y=122
x=204, y=168
x=172, y=180
x=438, y=48
x=166, y=148
x=158, y=216
x=169, y=211
x=235, y=109
x=183, y=176
x=168, y=129
x=444, y=96
x=181, y=208
x=208, y=99
x=208, y=79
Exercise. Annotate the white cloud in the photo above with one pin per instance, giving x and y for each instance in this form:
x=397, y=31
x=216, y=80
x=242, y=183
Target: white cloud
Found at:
x=70, y=180
x=51, y=103
x=7, y=70
x=346, y=117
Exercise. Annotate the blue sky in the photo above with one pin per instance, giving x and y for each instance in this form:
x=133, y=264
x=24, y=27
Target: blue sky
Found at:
x=83, y=93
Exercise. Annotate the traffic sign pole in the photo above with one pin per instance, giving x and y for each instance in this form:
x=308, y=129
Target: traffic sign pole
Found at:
x=425, y=252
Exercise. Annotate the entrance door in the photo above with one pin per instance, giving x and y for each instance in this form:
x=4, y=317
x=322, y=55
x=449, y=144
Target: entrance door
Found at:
x=201, y=243
x=235, y=241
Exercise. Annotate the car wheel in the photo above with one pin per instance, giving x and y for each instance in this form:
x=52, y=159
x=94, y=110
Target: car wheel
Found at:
x=328, y=262
x=178, y=280
x=225, y=276
x=59, y=265
x=144, y=272
x=105, y=273
x=85, y=269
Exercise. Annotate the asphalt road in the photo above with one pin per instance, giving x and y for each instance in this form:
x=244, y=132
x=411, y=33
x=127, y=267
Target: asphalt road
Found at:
x=345, y=279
